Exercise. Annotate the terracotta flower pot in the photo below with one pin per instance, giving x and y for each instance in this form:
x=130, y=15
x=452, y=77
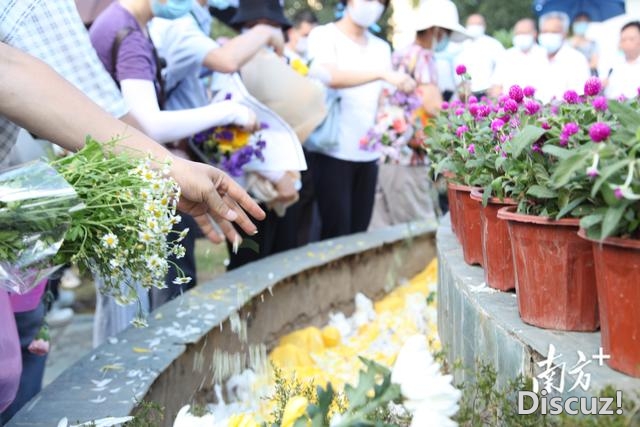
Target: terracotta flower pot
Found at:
x=453, y=208
x=469, y=229
x=496, y=244
x=617, y=263
x=554, y=272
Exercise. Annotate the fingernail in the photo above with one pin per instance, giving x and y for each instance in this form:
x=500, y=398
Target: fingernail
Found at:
x=255, y=232
x=236, y=244
x=232, y=215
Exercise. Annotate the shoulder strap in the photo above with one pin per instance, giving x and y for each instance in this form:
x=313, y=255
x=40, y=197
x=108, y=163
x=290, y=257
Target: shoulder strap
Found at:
x=115, y=49
x=160, y=63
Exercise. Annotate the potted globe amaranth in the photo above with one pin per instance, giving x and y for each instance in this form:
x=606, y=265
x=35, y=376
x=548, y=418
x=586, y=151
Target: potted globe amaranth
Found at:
x=611, y=222
x=555, y=273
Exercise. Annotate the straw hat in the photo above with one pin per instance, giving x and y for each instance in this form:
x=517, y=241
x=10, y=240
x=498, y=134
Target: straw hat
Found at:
x=440, y=13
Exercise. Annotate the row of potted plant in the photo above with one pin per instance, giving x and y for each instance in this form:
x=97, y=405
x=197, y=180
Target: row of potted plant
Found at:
x=547, y=199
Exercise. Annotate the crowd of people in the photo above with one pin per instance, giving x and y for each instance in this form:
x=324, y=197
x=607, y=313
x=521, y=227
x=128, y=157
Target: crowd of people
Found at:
x=146, y=70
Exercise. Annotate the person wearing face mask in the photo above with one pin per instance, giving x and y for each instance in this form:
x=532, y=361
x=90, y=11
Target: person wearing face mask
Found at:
x=404, y=191
x=187, y=48
x=563, y=67
x=580, y=42
x=624, y=76
x=519, y=65
x=356, y=64
x=120, y=37
x=298, y=35
x=480, y=54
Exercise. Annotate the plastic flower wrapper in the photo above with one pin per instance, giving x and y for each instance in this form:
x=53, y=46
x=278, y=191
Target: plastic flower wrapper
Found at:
x=35, y=214
x=122, y=226
x=397, y=133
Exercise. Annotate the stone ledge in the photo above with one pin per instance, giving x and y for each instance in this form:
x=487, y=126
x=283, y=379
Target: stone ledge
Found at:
x=478, y=323
x=171, y=361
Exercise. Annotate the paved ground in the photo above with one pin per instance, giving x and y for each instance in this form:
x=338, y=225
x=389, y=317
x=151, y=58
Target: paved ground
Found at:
x=69, y=344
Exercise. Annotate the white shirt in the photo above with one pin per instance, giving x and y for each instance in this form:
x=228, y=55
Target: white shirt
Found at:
x=359, y=104
x=624, y=79
x=567, y=70
x=480, y=56
x=519, y=68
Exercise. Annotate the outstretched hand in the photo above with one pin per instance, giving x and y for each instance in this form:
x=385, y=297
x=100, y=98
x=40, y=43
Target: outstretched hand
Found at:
x=210, y=195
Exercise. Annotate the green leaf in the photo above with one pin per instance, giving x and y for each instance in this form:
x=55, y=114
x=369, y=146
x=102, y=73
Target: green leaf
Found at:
x=589, y=221
x=626, y=115
x=554, y=150
x=541, y=192
x=569, y=207
x=606, y=173
x=525, y=138
x=567, y=168
x=611, y=220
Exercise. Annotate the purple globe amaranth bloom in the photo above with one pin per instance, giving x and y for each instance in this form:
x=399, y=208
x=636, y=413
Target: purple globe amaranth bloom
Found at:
x=510, y=106
x=599, y=131
x=496, y=125
x=461, y=69
x=483, y=111
x=473, y=109
x=515, y=93
x=570, y=128
x=529, y=91
x=459, y=111
x=536, y=148
x=592, y=172
x=471, y=148
x=445, y=105
x=502, y=99
x=473, y=99
x=461, y=130
x=618, y=193
x=531, y=107
x=571, y=97
x=564, y=140
x=622, y=98
x=554, y=110
x=546, y=125
x=600, y=103
x=593, y=86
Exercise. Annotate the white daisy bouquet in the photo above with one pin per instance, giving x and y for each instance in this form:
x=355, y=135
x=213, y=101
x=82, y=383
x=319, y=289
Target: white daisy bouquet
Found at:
x=111, y=214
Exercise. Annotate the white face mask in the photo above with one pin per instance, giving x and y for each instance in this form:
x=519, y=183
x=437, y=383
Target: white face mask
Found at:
x=301, y=46
x=365, y=13
x=523, y=41
x=475, y=31
x=552, y=42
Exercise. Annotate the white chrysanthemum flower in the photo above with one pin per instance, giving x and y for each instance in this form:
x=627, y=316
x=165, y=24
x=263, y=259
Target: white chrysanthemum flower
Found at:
x=152, y=224
x=154, y=262
x=428, y=394
x=148, y=175
x=179, y=251
x=181, y=280
x=146, y=236
x=110, y=241
x=157, y=186
x=182, y=235
x=115, y=263
x=139, y=322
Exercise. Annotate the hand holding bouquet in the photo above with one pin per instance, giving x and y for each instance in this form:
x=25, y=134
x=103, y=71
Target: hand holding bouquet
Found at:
x=108, y=213
x=398, y=131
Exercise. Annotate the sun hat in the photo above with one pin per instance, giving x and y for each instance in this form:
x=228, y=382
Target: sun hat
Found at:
x=440, y=13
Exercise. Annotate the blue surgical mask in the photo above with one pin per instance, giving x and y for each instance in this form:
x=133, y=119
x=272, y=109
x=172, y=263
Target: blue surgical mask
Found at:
x=442, y=44
x=171, y=9
x=580, y=28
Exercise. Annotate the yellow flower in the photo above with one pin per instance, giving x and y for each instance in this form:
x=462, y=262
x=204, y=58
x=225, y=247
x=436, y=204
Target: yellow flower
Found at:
x=242, y=420
x=299, y=66
x=296, y=408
